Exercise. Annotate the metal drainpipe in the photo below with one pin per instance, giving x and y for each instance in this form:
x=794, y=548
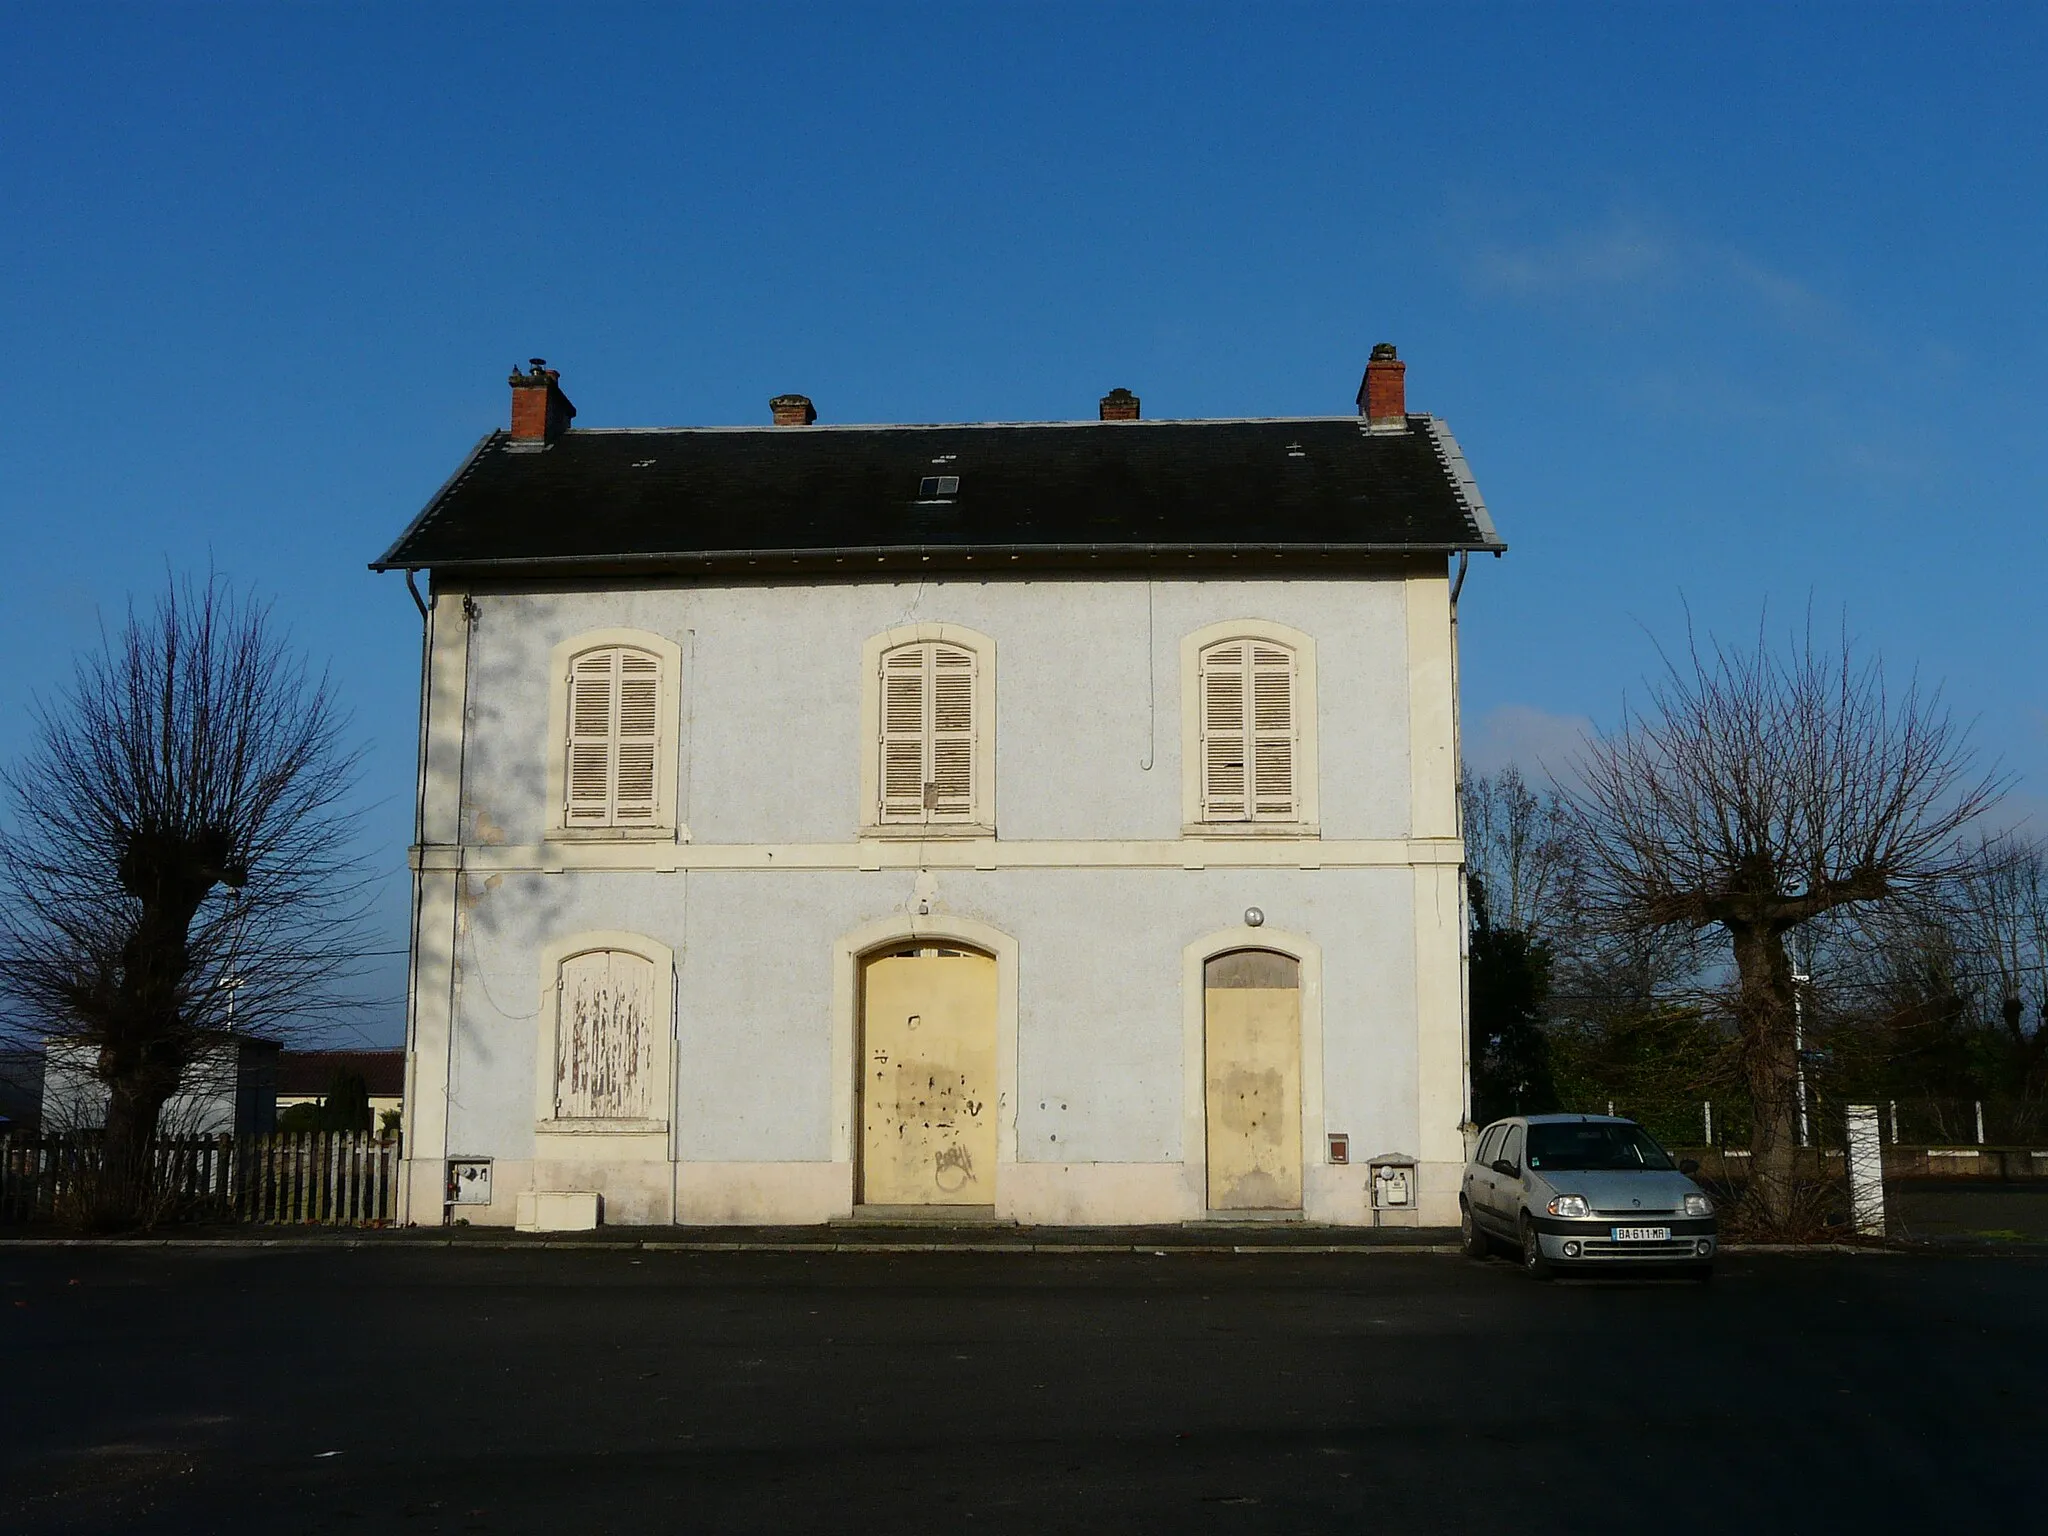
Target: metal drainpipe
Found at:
x=412, y=957
x=1464, y=886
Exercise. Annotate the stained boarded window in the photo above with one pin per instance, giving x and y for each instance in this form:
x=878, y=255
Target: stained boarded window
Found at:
x=1250, y=732
x=605, y=1039
x=614, y=739
x=1261, y=969
x=927, y=741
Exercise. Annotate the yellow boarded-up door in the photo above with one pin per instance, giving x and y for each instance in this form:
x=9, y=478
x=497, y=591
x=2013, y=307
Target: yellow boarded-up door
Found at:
x=928, y=1078
x=1252, y=1050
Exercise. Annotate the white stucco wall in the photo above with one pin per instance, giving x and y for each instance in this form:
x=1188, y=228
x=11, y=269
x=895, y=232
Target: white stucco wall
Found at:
x=229, y=1088
x=1099, y=1028
x=1089, y=877
x=772, y=692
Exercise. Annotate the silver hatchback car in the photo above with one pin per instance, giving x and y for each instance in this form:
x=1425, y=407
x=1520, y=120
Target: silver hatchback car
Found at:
x=1576, y=1192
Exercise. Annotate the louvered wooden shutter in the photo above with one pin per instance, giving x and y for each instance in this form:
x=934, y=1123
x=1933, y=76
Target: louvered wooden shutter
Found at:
x=951, y=796
x=1272, y=731
x=1248, y=732
x=1225, y=765
x=927, y=740
x=639, y=692
x=903, y=734
x=588, y=780
x=604, y=1037
x=614, y=739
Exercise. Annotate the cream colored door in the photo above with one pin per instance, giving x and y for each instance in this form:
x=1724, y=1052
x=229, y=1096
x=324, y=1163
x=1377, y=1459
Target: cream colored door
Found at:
x=1252, y=1049
x=928, y=1079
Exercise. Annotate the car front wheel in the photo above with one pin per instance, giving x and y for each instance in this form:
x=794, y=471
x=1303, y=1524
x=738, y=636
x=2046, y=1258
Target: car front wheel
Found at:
x=1534, y=1263
x=1471, y=1234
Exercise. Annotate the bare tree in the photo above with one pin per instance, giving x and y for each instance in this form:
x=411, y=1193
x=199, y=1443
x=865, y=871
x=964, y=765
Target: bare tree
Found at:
x=1518, y=844
x=176, y=858
x=2001, y=902
x=1757, y=792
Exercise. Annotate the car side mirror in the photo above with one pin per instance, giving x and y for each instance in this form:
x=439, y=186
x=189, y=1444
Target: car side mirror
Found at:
x=1689, y=1166
x=1502, y=1165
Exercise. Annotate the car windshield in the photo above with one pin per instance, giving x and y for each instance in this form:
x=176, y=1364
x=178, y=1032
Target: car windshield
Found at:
x=1593, y=1147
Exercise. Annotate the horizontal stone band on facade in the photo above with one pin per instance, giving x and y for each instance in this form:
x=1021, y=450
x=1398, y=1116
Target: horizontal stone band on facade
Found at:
x=945, y=853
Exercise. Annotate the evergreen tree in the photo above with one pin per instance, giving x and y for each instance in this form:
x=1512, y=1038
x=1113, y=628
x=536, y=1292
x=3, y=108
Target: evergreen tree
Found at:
x=348, y=1104
x=1510, y=982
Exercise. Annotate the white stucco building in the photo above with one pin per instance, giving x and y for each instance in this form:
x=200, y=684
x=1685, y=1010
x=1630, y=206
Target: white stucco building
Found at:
x=1055, y=821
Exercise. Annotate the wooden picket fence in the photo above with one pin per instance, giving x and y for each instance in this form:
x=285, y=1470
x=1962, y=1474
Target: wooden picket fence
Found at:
x=313, y=1178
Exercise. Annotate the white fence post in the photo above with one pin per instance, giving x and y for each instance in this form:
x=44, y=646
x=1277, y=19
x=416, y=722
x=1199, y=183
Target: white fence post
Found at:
x=1866, y=1170
x=1980, y=1122
x=1708, y=1106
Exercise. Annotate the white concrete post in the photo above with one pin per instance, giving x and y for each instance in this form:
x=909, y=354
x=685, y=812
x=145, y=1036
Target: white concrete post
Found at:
x=1708, y=1107
x=1799, y=981
x=1980, y=1122
x=1866, y=1170
x=1895, y=1122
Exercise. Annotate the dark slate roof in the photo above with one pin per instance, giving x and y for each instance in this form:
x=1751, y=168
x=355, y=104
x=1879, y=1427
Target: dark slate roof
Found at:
x=1314, y=490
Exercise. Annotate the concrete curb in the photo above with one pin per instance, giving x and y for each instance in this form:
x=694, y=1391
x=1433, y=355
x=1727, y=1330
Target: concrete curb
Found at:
x=561, y=1245
x=396, y=1244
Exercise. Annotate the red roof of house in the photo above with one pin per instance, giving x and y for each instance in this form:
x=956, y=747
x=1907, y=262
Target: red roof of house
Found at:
x=315, y=1071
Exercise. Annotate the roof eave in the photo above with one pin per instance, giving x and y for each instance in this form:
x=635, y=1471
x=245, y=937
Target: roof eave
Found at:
x=1452, y=457
x=389, y=561
x=949, y=553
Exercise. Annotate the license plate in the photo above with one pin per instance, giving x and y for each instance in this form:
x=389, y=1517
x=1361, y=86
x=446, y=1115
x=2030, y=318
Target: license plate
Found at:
x=1642, y=1234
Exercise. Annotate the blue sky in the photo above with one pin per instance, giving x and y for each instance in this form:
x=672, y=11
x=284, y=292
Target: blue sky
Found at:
x=1730, y=306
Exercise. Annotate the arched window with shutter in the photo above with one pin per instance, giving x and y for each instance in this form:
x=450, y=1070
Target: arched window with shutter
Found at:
x=605, y=1036
x=615, y=725
x=1250, y=752
x=928, y=764
x=606, y=1030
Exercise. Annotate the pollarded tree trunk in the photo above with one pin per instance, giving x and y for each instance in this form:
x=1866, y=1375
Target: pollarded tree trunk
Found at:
x=121, y=1197
x=1766, y=1019
x=139, y=1083
x=147, y=1049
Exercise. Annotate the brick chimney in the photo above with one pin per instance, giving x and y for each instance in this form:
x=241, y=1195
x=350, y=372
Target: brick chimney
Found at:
x=1119, y=405
x=540, y=411
x=1383, y=396
x=793, y=410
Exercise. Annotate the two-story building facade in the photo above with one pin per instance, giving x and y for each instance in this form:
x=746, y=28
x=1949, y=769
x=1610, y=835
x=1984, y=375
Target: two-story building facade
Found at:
x=1053, y=821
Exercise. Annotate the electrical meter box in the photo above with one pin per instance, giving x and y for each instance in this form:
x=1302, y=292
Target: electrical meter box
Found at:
x=1392, y=1184
x=469, y=1181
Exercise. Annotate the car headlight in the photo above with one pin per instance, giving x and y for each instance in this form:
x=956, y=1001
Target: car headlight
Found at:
x=1698, y=1205
x=1569, y=1205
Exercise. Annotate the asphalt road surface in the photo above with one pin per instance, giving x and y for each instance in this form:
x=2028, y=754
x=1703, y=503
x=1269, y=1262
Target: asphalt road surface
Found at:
x=563, y=1392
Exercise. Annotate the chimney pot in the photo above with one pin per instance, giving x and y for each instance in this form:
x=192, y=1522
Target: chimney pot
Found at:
x=793, y=410
x=540, y=411
x=1383, y=395
x=1119, y=405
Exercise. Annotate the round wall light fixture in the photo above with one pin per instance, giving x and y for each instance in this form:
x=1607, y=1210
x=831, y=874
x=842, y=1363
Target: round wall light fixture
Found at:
x=1253, y=917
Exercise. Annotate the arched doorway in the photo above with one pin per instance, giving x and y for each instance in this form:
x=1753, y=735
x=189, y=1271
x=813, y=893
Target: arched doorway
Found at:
x=928, y=1076
x=1251, y=1054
